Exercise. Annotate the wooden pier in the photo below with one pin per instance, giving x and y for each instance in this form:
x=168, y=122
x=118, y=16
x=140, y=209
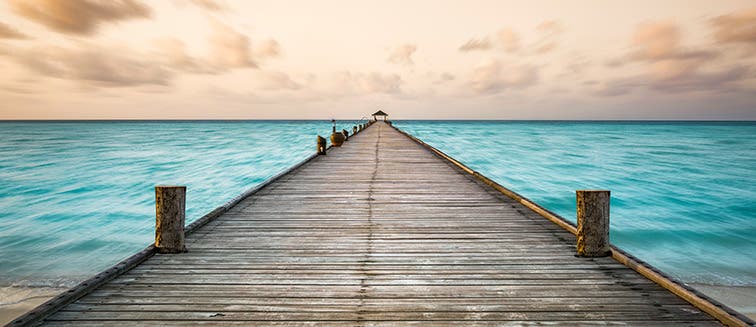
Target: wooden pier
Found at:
x=383, y=231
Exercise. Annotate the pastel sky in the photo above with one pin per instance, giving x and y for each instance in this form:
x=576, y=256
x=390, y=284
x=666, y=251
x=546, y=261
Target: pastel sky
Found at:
x=437, y=59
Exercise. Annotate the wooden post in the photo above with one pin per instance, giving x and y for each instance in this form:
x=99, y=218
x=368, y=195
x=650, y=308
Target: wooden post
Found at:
x=170, y=214
x=354, y=130
x=593, y=223
x=321, y=145
x=346, y=134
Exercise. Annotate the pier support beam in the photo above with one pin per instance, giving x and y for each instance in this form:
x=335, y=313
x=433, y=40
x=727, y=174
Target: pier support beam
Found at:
x=593, y=223
x=170, y=214
x=321, y=145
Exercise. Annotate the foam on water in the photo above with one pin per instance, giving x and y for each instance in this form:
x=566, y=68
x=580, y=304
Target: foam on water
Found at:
x=683, y=193
x=78, y=197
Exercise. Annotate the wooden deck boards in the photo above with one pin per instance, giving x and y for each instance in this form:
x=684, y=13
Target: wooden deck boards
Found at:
x=379, y=232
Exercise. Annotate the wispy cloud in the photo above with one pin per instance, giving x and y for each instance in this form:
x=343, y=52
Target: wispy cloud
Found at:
x=475, y=45
x=211, y=5
x=668, y=66
x=276, y=80
x=738, y=27
x=95, y=66
x=403, y=54
x=7, y=32
x=82, y=17
x=494, y=76
x=230, y=48
x=549, y=31
x=267, y=49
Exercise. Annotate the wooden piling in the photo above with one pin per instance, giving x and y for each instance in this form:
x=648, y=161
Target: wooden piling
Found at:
x=321, y=145
x=170, y=214
x=593, y=223
x=354, y=130
x=346, y=134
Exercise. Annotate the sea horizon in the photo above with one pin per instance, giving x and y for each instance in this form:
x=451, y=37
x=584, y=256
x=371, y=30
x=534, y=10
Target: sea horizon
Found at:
x=364, y=119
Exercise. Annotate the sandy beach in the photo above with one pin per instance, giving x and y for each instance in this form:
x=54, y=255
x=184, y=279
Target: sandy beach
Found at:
x=17, y=300
x=740, y=298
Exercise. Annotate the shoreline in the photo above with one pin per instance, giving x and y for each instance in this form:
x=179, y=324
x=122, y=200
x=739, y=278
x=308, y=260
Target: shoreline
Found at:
x=740, y=298
x=17, y=300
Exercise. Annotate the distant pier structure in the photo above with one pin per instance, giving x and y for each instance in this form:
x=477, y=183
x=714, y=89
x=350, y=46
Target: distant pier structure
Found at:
x=384, y=230
x=380, y=114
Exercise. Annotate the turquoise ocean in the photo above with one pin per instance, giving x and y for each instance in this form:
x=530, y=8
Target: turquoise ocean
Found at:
x=77, y=197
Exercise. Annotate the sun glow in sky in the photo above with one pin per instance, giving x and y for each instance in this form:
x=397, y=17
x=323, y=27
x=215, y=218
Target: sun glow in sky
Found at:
x=215, y=59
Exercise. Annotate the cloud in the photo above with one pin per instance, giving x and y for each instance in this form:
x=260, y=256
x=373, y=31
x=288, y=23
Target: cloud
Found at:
x=209, y=5
x=268, y=49
x=95, y=66
x=549, y=33
x=657, y=44
x=229, y=48
x=172, y=52
x=493, y=77
x=720, y=81
x=403, y=54
x=739, y=27
x=714, y=81
x=653, y=41
x=656, y=40
x=475, y=45
x=82, y=17
x=508, y=40
x=669, y=67
x=275, y=80
x=7, y=32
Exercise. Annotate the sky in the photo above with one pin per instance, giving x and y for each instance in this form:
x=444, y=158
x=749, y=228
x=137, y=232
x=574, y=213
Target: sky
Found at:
x=246, y=59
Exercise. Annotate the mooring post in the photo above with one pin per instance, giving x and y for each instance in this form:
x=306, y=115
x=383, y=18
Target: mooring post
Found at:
x=170, y=214
x=321, y=145
x=354, y=130
x=346, y=134
x=593, y=223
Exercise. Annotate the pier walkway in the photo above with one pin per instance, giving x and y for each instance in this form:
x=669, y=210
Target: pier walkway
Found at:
x=380, y=231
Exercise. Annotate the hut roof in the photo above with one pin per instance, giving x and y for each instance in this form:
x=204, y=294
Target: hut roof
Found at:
x=380, y=113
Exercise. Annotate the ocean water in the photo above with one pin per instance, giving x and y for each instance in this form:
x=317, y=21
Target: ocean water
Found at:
x=76, y=197
x=683, y=193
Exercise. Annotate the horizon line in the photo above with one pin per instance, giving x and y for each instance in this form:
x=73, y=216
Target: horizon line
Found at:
x=359, y=119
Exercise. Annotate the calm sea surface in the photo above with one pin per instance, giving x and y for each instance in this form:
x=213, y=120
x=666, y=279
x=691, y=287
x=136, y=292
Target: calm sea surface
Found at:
x=76, y=197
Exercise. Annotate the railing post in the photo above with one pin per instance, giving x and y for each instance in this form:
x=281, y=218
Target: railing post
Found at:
x=321, y=145
x=346, y=134
x=354, y=130
x=593, y=223
x=170, y=214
